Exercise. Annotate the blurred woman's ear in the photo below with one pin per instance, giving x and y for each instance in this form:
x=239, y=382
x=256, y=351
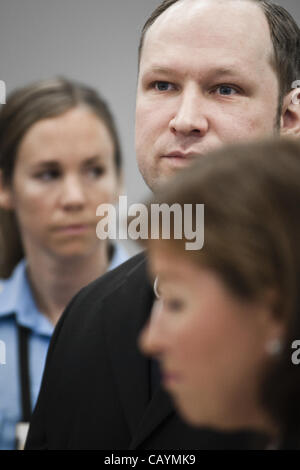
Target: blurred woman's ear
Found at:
x=6, y=199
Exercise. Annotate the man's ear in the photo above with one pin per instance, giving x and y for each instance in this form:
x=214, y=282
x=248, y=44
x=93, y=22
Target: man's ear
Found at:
x=290, y=118
x=6, y=199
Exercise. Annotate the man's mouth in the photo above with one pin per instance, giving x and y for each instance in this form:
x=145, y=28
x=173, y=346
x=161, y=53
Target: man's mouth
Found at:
x=181, y=155
x=180, y=158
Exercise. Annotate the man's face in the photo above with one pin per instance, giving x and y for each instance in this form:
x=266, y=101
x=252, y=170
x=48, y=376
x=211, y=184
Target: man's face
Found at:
x=205, y=79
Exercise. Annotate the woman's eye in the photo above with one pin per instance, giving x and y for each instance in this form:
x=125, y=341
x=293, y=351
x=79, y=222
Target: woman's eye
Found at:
x=96, y=171
x=162, y=86
x=226, y=90
x=47, y=175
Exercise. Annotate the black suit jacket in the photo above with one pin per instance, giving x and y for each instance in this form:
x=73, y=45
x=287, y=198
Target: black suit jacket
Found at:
x=95, y=391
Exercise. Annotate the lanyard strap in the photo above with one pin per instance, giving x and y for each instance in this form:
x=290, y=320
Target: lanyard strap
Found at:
x=23, y=335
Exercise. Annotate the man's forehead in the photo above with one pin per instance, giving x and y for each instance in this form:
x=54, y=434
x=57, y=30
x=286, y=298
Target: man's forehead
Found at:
x=193, y=9
x=236, y=25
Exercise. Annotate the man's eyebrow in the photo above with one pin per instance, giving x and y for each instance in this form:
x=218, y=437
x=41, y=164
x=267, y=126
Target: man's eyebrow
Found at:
x=160, y=70
x=232, y=70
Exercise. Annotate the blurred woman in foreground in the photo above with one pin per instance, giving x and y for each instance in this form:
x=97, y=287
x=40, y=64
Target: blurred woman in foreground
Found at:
x=59, y=159
x=227, y=316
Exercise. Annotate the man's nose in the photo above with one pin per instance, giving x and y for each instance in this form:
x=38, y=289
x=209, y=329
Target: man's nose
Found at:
x=190, y=118
x=73, y=193
x=151, y=340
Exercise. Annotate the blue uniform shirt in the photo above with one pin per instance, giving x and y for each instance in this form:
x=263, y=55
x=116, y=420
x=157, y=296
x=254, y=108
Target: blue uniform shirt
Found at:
x=17, y=306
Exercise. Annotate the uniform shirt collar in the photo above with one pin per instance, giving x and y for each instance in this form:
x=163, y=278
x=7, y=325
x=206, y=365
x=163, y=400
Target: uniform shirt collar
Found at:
x=16, y=296
x=119, y=256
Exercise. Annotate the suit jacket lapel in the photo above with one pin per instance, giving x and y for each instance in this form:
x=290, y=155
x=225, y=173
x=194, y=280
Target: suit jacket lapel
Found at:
x=157, y=411
x=126, y=310
x=131, y=368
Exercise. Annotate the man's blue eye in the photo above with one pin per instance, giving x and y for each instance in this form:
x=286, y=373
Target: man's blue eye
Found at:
x=226, y=90
x=162, y=86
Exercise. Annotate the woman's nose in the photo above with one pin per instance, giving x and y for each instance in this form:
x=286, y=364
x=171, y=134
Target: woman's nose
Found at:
x=73, y=193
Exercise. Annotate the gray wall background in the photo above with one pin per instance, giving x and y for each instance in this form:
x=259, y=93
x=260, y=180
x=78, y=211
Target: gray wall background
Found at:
x=94, y=41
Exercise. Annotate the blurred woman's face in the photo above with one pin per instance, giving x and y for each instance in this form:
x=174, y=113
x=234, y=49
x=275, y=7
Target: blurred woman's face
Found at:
x=64, y=169
x=210, y=344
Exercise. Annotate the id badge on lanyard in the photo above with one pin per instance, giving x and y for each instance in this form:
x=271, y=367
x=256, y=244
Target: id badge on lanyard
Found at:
x=23, y=426
x=21, y=435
